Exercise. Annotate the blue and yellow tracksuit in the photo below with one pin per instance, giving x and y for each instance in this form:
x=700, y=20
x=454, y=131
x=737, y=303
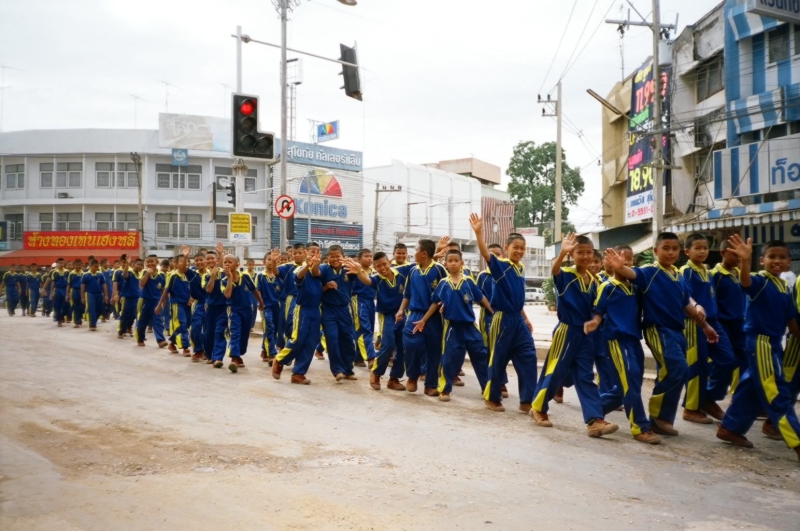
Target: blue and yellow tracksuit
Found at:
x=424, y=348
x=288, y=301
x=108, y=274
x=239, y=316
x=572, y=351
x=198, y=310
x=509, y=337
x=215, y=326
x=390, y=297
x=253, y=302
x=22, y=277
x=708, y=380
x=270, y=289
x=664, y=297
x=93, y=291
x=34, y=287
x=730, y=314
x=336, y=318
x=305, y=323
x=11, y=284
x=178, y=289
x=59, y=280
x=47, y=302
x=460, y=333
x=764, y=384
x=363, y=307
x=78, y=308
x=617, y=303
x=128, y=292
x=150, y=296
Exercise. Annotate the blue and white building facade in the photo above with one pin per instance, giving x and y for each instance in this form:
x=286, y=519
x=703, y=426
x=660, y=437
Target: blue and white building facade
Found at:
x=755, y=185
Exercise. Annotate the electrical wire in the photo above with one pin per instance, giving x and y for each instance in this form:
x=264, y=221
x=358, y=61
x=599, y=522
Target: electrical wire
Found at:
x=558, y=48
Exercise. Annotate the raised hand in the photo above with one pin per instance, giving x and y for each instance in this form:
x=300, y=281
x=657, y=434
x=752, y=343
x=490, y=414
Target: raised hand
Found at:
x=443, y=241
x=569, y=242
x=185, y=250
x=352, y=266
x=476, y=222
x=614, y=259
x=219, y=248
x=275, y=254
x=743, y=250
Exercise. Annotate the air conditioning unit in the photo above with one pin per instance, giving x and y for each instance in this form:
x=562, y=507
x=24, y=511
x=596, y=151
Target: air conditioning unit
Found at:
x=63, y=195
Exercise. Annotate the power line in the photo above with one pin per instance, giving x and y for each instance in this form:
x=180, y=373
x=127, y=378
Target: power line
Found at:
x=558, y=48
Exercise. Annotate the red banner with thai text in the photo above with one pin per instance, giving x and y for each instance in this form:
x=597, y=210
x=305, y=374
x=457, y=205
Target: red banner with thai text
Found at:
x=80, y=240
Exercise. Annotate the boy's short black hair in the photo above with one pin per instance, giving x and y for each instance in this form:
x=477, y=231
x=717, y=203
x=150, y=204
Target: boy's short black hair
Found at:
x=313, y=244
x=335, y=248
x=378, y=256
x=400, y=246
x=453, y=251
x=249, y=260
x=772, y=244
x=200, y=255
x=598, y=255
x=362, y=252
x=427, y=247
x=138, y=260
x=93, y=262
x=694, y=237
x=725, y=245
x=123, y=257
x=623, y=247
x=514, y=236
x=495, y=246
x=152, y=256
x=180, y=257
x=211, y=252
x=165, y=262
x=583, y=240
x=59, y=259
x=455, y=246
x=298, y=246
x=664, y=236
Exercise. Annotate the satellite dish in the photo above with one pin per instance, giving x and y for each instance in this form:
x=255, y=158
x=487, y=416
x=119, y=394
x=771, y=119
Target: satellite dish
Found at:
x=348, y=2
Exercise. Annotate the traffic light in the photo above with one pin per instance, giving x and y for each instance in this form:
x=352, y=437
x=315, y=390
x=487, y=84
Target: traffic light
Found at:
x=352, y=81
x=248, y=141
x=231, y=187
x=290, y=228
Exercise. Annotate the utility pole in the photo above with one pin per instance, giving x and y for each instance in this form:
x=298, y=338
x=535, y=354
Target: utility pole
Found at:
x=558, y=186
x=284, y=128
x=137, y=160
x=378, y=191
x=658, y=185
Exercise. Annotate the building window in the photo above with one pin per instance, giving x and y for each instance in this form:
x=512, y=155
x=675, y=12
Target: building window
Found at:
x=221, y=172
x=253, y=227
x=179, y=177
x=709, y=78
x=221, y=229
x=45, y=175
x=46, y=221
x=15, y=176
x=174, y=226
x=68, y=174
x=123, y=222
x=104, y=220
x=14, y=226
x=249, y=184
x=121, y=176
x=778, y=43
x=68, y=221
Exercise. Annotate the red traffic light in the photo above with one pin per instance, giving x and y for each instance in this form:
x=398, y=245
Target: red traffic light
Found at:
x=248, y=107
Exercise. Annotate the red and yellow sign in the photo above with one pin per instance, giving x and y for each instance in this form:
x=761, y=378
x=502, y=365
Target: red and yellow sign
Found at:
x=81, y=240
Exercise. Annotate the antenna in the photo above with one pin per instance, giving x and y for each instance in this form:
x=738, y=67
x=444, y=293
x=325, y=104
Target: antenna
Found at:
x=167, y=85
x=136, y=99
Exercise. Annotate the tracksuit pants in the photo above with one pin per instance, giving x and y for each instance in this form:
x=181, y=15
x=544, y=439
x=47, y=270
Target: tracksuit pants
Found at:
x=305, y=336
x=269, y=325
x=285, y=328
x=239, y=320
x=197, y=329
x=764, y=386
x=736, y=336
x=484, y=325
x=510, y=340
x=253, y=311
x=78, y=308
x=337, y=325
x=127, y=314
x=423, y=348
x=47, y=305
x=669, y=350
x=215, y=330
x=24, y=302
x=574, y=352
x=60, y=305
x=391, y=334
x=791, y=365
x=94, y=307
x=178, y=325
x=708, y=381
x=627, y=357
x=12, y=300
x=147, y=317
x=458, y=339
x=33, y=303
x=363, y=323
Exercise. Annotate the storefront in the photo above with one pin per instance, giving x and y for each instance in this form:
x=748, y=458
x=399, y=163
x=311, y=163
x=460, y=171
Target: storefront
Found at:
x=43, y=248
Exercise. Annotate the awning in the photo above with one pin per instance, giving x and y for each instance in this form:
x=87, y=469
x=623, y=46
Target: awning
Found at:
x=46, y=257
x=642, y=244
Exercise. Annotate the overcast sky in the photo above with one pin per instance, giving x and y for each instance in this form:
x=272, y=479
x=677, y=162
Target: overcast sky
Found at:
x=442, y=79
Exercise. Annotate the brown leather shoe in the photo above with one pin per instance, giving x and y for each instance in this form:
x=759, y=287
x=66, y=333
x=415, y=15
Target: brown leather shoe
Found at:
x=559, y=398
x=218, y=364
x=600, y=427
x=375, y=381
x=735, y=439
x=300, y=379
x=458, y=382
x=233, y=367
x=697, y=416
x=648, y=437
x=525, y=407
x=411, y=385
x=662, y=427
x=264, y=355
x=187, y=353
x=339, y=376
x=503, y=392
x=494, y=406
x=277, y=368
x=444, y=397
x=162, y=344
x=196, y=357
x=769, y=430
x=712, y=409
x=422, y=378
x=360, y=363
x=238, y=361
x=172, y=348
x=140, y=344
x=209, y=361
x=351, y=377
x=431, y=391
x=461, y=372
x=395, y=385
x=319, y=355
x=541, y=419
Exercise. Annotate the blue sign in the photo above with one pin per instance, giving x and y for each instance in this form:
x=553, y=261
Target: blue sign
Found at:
x=3, y=235
x=324, y=157
x=328, y=131
x=180, y=157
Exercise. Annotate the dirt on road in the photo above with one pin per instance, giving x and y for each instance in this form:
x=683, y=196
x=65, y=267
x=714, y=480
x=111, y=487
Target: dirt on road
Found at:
x=99, y=434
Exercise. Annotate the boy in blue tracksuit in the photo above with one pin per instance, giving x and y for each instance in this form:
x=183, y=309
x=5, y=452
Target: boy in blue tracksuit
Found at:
x=11, y=286
x=215, y=325
x=177, y=289
x=510, y=336
x=251, y=272
x=363, y=307
x=34, y=287
x=59, y=282
x=288, y=293
x=336, y=319
x=78, y=308
x=485, y=283
x=426, y=347
x=152, y=286
x=239, y=289
x=770, y=309
x=126, y=291
x=46, y=293
x=198, y=309
x=388, y=282
x=573, y=351
x=270, y=289
x=22, y=278
x=94, y=293
x=708, y=380
x=305, y=321
x=730, y=306
x=455, y=296
x=665, y=301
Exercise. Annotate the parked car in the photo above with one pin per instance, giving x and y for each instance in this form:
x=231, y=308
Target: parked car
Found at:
x=534, y=295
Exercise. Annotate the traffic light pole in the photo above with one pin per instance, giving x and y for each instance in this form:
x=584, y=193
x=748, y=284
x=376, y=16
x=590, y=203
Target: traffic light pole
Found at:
x=284, y=142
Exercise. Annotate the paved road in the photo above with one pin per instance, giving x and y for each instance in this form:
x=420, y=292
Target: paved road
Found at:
x=99, y=434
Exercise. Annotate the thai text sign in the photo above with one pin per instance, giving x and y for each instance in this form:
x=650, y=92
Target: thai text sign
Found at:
x=80, y=240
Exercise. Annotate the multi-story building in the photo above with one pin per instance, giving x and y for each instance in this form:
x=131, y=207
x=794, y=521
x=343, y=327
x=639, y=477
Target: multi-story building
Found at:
x=85, y=180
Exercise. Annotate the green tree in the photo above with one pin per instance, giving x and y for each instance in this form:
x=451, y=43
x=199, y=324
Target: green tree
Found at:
x=533, y=175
